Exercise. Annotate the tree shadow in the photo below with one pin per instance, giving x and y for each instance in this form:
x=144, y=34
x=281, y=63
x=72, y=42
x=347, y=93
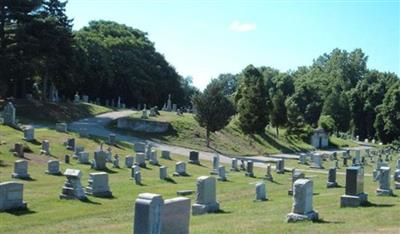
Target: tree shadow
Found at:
x=108, y=171
x=20, y=212
x=370, y=204
x=275, y=182
x=88, y=201
x=170, y=180
x=220, y=211
x=34, y=142
x=273, y=142
x=322, y=221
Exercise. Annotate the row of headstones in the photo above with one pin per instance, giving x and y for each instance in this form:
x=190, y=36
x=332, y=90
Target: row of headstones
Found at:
x=112, y=103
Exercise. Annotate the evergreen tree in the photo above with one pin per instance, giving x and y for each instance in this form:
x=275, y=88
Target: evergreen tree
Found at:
x=252, y=105
x=214, y=109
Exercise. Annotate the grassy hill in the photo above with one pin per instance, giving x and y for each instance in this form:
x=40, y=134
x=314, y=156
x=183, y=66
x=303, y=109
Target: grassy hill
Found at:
x=48, y=214
x=48, y=112
x=186, y=132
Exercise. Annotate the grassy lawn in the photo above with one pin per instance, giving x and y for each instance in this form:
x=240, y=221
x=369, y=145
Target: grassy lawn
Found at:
x=48, y=112
x=48, y=214
x=186, y=132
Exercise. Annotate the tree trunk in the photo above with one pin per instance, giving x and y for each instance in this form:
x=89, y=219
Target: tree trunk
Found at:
x=2, y=25
x=208, y=137
x=277, y=132
x=44, y=88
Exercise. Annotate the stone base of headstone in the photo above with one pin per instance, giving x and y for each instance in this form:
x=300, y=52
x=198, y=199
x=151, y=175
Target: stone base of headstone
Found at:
x=53, y=173
x=293, y=217
x=68, y=193
x=234, y=169
x=98, y=194
x=331, y=184
x=214, y=172
x=179, y=174
x=397, y=185
x=20, y=176
x=200, y=209
x=249, y=174
x=197, y=162
x=269, y=177
x=353, y=201
x=384, y=192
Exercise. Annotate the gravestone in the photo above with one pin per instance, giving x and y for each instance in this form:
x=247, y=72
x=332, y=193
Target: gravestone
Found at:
x=296, y=174
x=242, y=165
x=354, y=193
x=148, y=151
x=383, y=176
x=83, y=157
x=153, y=158
x=280, y=166
x=45, y=147
x=115, y=162
x=19, y=150
x=396, y=178
x=331, y=178
x=9, y=114
x=180, y=169
x=140, y=160
x=11, y=196
x=175, y=216
x=53, y=167
x=316, y=161
x=61, y=127
x=99, y=162
x=194, y=157
x=222, y=173
x=85, y=98
x=249, y=168
x=357, y=157
x=206, y=196
x=261, y=192
x=21, y=170
x=71, y=144
x=29, y=133
x=77, y=150
x=165, y=154
x=398, y=164
x=169, y=103
x=215, y=164
x=98, y=185
x=174, y=107
x=147, y=219
x=234, y=165
x=302, y=158
x=302, y=208
x=163, y=173
x=139, y=147
x=112, y=139
x=66, y=159
x=77, y=98
x=134, y=169
x=268, y=175
x=72, y=188
x=138, y=178
x=129, y=161
x=378, y=167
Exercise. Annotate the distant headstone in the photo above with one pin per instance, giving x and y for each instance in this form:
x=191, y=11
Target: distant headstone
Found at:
x=21, y=170
x=165, y=154
x=9, y=114
x=66, y=159
x=302, y=158
x=70, y=144
x=316, y=161
x=296, y=174
x=53, y=167
x=175, y=216
x=280, y=166
x=383, y=176
x=83, y=157
x=354, y=193
x=140, y=147
x=45, y=147
x=222, y=173
x=249, y=168
x=261, y=192
x=11, y=196
x=99, y=162
x=19, y=150
x=77, y=150
x=396, y=178
x=134, y=169
x=148, y=151
x=148, y=209
x=115, y=162
x=180, y=169
x=72, y=188
x=98, y=185
x=215, y=164
x=153, y=158
x=234, y=165
x=194, y=157
x=77, y=98
x=140, y=159
x=129, y=161
x=268, y=175
x=85, y=98
x=163, y=173
x=29, y=133
x=331, y=178
x=138, y=178
x=206, y=199
x=174, y=107
x=302, y=202
x=169, y=103
x=112, y=139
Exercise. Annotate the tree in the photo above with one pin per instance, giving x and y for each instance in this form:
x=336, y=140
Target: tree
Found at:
x=214, y=109
x=278, y=114
x=327, y=123
x=252, y=104
x=336, y=106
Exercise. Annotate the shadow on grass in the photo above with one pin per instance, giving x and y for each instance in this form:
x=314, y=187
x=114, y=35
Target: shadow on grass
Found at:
x=222, y=212
x=170, y=180
x=108, y=170
x=196, y=164
x=271, y=141
x=275, y=182
x=370, y=204
x=20, y=212
x=322, y=221
x=88, y=201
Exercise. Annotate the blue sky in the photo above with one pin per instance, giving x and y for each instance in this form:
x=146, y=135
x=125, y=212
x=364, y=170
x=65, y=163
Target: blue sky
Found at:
x=205, y=38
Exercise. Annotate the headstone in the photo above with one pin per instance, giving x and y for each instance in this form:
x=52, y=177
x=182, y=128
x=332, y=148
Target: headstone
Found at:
x=383, y=176
x=21, y=170
x=215, y=164
x=261, y=192
x=112, y=139
x=398, y=164
x=129, y=161
x=77, y=150
x=165, y=154
x=180, y=169
x=206, y=196
x=302, y=202
x=77, y=98
x=280, y=166
x=71, y=144
x=140, y=147
x=174, y=107
x=153, y=157
x=396, y=178
x=316, y=161
x=66, y=159
x=116, y=161
x=72, y=188
x=169, y=103
x=134, y=169
x=249, y=168
x=354, y=193
x=61, y=127
x=222, y=173
x=148, y=208
x=98, y=185
x=11, y=196
x=163, y=173
x=357, y=157
x=19, y=150
x=138, y=178
x=234, y=165
x=53, y=167
x=29, y=133
x=99, y=162
x=85, y=98
x=9, y=114
x=302, y=158
x=331, y=178
x=268, y=175
x=145, y=114
x=194, y=157
x=296, y=174
x=242, y=165
x=175, y=216
x=140, y=159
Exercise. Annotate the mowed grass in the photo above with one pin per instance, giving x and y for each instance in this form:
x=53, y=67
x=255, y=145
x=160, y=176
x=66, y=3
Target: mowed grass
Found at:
x=48, y=214
x=231, y=140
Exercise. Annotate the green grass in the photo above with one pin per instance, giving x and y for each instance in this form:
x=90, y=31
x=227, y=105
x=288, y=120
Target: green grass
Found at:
x=339, y=142
x=48, y=214
x=231, y=140
x=48, y=112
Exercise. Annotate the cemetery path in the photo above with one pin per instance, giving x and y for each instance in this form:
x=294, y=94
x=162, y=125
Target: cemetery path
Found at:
x=96, y=126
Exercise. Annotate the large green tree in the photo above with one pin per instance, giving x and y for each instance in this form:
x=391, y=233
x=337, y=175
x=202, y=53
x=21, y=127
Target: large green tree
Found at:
x=278, y=113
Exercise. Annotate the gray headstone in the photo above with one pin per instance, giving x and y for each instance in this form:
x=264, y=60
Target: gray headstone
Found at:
x=163, y=173
x=249, y=168
x=83, y=157
x=140, y=159
x=9, y=114
x=71, y=143
x=383, y=177
x=222, y=173
x=206, y=199
x=11, y=196
x=53, y=167
x=175, y=216
x=140, y=147
x=268, y=175
x=354, y=193
x=134, y=169
x=112, y=139
x=72, y=188
x=296, y=174
x=98, y=185
x=165, y=154
x=261, y=192
x=19, y=150
x=45, y=147
x=234, y=165
x=29, y=133
x=153, y=157
x=99, y=162
x=280, y=166
x=129, y=161
x=148, y=209
x=20, y=170
x=180, y=169
x=138, y=177
x=331, y=178
x=302, y=208
x=194, y=157
x=396, y=178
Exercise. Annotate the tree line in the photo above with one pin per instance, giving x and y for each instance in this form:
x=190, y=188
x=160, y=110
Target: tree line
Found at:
x=337, y=92
x=107, y=60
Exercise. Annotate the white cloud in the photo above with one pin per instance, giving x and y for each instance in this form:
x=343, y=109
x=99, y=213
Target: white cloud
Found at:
x=242, y=27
